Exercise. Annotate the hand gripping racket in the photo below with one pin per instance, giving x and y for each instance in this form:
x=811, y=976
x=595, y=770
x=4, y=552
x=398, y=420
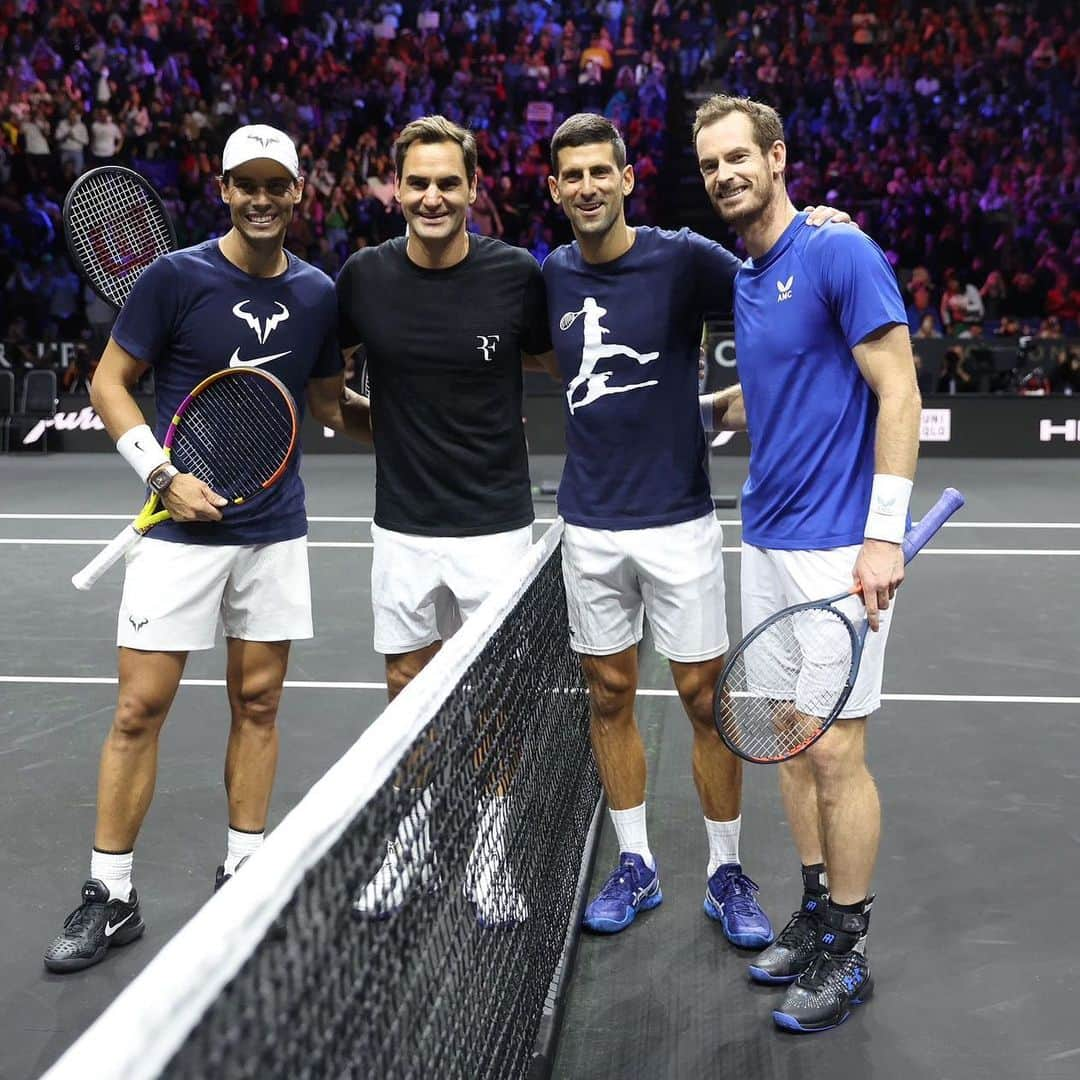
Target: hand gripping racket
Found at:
x=236, y=431
x=115, y=225
x=789, y=678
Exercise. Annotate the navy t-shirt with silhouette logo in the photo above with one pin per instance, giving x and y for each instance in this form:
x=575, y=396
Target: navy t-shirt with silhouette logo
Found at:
x=627, y=335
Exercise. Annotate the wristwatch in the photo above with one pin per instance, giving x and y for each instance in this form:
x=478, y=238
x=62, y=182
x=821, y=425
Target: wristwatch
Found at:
x=162, y=476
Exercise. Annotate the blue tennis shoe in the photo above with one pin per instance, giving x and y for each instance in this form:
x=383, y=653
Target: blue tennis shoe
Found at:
x=630, y=888
x=730, y=899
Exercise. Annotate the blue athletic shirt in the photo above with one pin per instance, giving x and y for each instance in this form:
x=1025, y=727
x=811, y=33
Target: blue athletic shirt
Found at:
x=811, y=416
x=192, y=313
x=627, y=335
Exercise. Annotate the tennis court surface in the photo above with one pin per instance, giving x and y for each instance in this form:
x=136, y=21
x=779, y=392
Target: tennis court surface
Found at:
x=974, y=751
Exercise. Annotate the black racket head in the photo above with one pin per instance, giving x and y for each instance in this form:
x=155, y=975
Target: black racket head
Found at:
x=236, y=431
x=115, y=226
x=786, y=682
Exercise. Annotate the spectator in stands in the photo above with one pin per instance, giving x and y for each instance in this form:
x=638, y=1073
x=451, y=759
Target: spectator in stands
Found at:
x=72, y=139
x=106, y=138
x=920, y=309
x=928, y=327
x=955, y=377
x=1065, y=376
x=1063, y=300
x=954, y=306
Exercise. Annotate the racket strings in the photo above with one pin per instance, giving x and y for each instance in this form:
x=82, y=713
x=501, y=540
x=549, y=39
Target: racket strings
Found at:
x=235, y=435
x=116, y=229
x=784, y=686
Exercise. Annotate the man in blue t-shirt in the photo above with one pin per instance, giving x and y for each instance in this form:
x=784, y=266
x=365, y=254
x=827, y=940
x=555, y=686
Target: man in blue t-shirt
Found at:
x=238, y=301
x=829, y=398
x=626, y=307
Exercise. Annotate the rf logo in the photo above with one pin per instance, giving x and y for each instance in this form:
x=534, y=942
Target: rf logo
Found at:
x=487, y=345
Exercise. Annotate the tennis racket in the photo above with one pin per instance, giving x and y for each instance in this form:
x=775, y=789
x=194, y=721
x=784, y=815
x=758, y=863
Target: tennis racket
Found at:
x=236, y=431
x=789, y=678
x=115, y=225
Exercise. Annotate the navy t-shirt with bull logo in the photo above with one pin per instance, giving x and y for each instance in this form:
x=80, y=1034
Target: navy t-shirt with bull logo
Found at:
x=192, y=313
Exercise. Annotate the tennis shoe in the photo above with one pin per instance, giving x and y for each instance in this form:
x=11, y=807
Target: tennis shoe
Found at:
x=837, y=979
x=731, y=899
x=632, y=887
x=95, y=926
x=221, y=877
x=824, y=995
x=795, y=946
x=400, y=872
x=499, y=902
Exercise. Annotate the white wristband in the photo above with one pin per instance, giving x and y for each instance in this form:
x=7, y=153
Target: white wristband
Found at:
x=889, y=498
x=708, y=413
x=141, y=450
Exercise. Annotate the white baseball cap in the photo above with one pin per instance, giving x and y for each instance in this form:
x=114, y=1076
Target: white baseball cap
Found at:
x=257, y=141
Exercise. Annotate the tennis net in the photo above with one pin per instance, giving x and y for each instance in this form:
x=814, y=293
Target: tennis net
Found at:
x=415, y=913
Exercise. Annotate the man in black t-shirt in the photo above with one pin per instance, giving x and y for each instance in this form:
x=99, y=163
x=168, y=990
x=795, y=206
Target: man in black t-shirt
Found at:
x=447, y=319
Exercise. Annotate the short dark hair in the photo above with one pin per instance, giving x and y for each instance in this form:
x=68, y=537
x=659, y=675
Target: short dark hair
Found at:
x=765, y=120
x=436, y=129
x=585, y=129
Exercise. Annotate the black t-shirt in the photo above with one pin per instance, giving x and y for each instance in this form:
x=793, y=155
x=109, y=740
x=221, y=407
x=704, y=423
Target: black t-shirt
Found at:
x=444, y=358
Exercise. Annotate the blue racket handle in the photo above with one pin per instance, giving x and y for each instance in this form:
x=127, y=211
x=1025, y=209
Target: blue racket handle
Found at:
x=951, y=500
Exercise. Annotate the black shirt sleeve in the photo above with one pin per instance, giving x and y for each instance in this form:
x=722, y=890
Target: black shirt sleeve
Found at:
x=348, y=332
x=535, y=328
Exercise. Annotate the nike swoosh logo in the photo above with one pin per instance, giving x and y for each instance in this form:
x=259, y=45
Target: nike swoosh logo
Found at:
x=235, y=361
x=111, y=928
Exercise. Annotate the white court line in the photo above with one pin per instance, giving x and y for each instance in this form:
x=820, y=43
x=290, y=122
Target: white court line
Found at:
x=39, y=541
x=974, y=699
x=544, y=521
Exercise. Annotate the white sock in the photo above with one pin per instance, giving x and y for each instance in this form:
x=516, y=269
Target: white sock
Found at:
x=240, y=846
x=632, y=833
x=114, y=871
x=723, y=843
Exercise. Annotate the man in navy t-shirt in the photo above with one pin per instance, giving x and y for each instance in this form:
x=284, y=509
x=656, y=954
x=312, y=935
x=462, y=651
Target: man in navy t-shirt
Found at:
x=241, y=301
x=627, y=307
x=829, y=398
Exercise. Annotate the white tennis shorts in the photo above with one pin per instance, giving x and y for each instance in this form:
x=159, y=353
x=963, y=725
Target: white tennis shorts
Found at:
x=672, y=573
x=424, y=587
x=175, y=593
x=773, y=580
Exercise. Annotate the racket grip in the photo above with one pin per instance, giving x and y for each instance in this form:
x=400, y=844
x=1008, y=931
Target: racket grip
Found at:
x=921, y=534
x=113, y=552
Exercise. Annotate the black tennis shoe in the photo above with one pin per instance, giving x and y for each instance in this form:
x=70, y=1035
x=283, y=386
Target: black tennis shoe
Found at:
x=93, y=928
x=790, y=954
x=221, y=877
x=837, y=979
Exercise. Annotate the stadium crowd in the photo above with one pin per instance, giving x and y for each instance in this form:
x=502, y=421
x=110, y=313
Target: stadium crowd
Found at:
x=948, y=129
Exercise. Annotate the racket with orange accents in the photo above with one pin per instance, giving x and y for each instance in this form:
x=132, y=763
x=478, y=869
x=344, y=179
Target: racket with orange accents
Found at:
x=236, y=431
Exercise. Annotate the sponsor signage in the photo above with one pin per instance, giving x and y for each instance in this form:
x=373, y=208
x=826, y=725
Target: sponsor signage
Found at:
x=936, y=425
x=961, y=426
